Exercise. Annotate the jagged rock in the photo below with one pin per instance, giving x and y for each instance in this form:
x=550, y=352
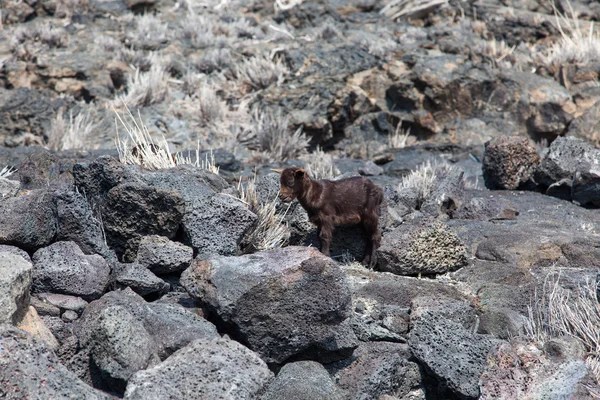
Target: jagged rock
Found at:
x=287, y=302
x=564, y=157
x=509, y=162
x=15, y=282
x=136, y=210
x=14, y=250
x=44, y=308
x=379, y=369
x=502, y=323
x=565, y=348
x=216, y=225
x=427, y=248
x=587, y=126
x=483, y=206
x=29, y=221
x=69, y=316
x=163, y=256
x=26, y=362
x=63, y=268
x=205, y=369
x=33, y=324
x=450, y=352
x=96, y=178
x=41, y=169
x=303, y=380
x=140, y=279
x=121, y=324
x=586, y=185
x=64, y=302
x=509, y=373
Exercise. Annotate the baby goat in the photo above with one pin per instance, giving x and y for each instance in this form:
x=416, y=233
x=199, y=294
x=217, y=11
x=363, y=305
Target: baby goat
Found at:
x=329, y=203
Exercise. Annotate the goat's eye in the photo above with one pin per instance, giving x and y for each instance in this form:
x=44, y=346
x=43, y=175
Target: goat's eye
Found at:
x=290, y=184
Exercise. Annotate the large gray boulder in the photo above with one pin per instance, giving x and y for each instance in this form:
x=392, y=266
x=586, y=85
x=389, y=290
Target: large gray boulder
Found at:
x=63, y=268
x=15, y=282
x=421, y=247
x=509, y=162
x=140, y=279
x=28, y=221
x=286, y=302
x=442, y=341
x=124, y=334
x=28, y=368
x=303, y=380
x=205, y=369
x=163, y=256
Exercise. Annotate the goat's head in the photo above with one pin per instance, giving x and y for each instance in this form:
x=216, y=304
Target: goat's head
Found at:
x=292, y=183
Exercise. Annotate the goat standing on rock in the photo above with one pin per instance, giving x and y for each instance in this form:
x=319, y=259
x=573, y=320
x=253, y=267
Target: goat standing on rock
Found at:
x=328, y=203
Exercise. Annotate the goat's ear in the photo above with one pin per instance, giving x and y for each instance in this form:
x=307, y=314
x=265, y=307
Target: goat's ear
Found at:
x=299, y=174
x=279, y=171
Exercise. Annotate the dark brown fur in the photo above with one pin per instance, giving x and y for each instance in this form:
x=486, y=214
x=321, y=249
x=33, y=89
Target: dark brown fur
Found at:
x=349, y=201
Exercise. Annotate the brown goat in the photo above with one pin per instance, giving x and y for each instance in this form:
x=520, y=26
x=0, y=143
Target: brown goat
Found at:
x=349, y=201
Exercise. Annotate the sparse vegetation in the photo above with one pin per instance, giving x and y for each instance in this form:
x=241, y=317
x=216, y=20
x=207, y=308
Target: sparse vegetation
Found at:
x=72, y=133
x=145, y=88
x=576, y=313
x=399, y=138
x=271, y=136
x=6, y=172
x=41, y=33
x=319, y=165
x=269, y=231
x=396, y=9
x=422, y=180
x=259, y=72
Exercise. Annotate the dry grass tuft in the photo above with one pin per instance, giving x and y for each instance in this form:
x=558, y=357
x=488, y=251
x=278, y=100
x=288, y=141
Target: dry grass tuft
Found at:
x=399, y=138
x=319, y=165
x=72, y=133
x=269, y=230
x=396, y=9
x=423, y=179
x=6, y=172
x=150, y=30
x=575, y=313
x=199, y=31
x=575, y=45
x=270, y=135
x=259, y=72
x=145, y=88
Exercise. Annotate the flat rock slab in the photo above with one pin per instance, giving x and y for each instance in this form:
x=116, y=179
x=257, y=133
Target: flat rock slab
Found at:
x=205, y=369
x=283, y=302
x=63, y=301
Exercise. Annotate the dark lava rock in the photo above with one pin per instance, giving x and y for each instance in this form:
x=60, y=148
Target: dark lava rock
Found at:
x=139, y=279
x=124, y=334
x=64, y=302
x=205, y=369
x=509, y=162
x=29, y=221
x=283, y=303
x=485, y=206
x=8, y=188
x=303, y=380
x=15, y=282
x=586, y=185
x=136, y=210
x=163, y=256
x=41, y=169
x=451, y=353
x=422, y=247
x=30, y=368
x=379, y=369
x=63, y=268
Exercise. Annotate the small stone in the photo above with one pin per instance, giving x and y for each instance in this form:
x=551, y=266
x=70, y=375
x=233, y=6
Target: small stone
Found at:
x=63, y=301
x=163, y=256
x=69, y=316
x=370, y=169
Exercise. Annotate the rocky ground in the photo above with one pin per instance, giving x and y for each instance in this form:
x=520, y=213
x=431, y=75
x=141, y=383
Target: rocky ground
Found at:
x=175, y=273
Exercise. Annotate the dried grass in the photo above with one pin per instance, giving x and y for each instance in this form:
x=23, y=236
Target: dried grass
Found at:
x=575, y=313
x=396, y=9
x=146, y=88
x=270, y=135
x=199, y=30
x=269, y=230
x=319, y=165
x=72, y=133
x=150, y=29
x=42, y=33
x=399, y=138
x=259, y=72
x=575, y=45
x=6, y=172
x=422, y=180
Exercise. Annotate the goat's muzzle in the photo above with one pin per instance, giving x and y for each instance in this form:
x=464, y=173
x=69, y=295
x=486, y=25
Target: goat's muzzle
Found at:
x=286, y=198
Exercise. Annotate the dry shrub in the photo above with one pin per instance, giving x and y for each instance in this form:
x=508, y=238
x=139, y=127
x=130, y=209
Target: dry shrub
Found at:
x=422, y=180
x=6, y=172
x=399, y=138
x=269, y=230
x=271, y=136
x=72, y=133
x=576, y=313
x=259, y=72
x=150, y=29
x=319, y=165
x=145, y=88
x=396, y=9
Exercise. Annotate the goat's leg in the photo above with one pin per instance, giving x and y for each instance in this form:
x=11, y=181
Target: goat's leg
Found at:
x=325, y=235
x=368, y=245
x=373, y=239
x=375, y=243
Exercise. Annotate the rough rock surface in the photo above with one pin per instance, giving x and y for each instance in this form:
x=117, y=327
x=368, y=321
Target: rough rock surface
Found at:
x=15, y=283
x=426, y=248
x=25, y=362
x=283, y=303
x=303, y=380
x=63, y=268
x=140, y=279
x=205, y=369
x=163, y=256
x=509, y=162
